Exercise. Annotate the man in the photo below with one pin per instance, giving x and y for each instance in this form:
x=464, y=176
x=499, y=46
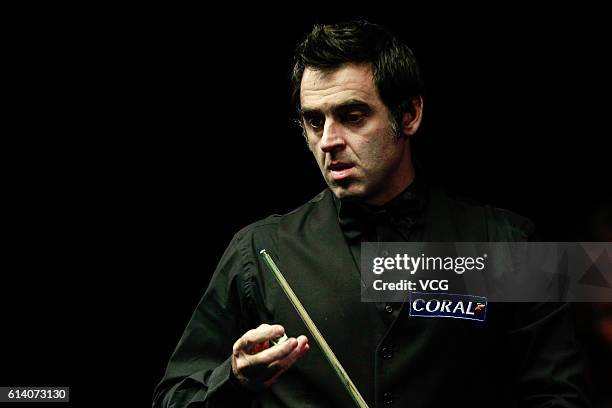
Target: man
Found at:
x=359, y=95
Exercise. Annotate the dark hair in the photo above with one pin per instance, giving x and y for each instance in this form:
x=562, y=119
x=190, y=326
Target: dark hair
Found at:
x=396, y=73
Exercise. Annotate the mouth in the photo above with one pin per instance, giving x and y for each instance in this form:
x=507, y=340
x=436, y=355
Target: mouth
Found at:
x=340, y=170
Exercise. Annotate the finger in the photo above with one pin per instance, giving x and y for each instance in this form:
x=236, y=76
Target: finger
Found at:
x=280, y=366
x=259, y=335
x=274, y=353
x=261, y=365
x=259, y=347
x=301, y=349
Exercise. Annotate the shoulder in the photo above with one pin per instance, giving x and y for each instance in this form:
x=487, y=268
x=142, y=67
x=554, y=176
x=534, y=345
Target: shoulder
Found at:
x=267, y=228
x=507, y=225
x=501, y=224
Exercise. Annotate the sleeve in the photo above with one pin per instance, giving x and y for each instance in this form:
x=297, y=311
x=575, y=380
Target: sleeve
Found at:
x=199, y=373
x=550, y=364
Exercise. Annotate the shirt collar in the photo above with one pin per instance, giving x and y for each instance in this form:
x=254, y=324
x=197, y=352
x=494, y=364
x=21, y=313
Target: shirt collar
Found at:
x=356, y=217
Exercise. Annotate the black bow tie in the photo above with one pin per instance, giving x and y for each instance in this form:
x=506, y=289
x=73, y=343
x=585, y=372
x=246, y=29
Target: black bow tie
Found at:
x=360, y=219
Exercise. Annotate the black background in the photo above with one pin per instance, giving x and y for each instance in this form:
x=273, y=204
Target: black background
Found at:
x=137, y=142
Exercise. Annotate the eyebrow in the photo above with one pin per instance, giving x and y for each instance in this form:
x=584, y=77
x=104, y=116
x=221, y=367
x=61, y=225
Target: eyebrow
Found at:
x=349, y=104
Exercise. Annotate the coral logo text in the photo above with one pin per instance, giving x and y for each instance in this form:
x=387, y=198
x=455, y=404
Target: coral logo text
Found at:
x=448, y=305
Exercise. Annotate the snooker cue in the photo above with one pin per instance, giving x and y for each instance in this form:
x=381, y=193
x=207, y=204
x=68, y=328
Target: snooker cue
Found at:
x=316, y=334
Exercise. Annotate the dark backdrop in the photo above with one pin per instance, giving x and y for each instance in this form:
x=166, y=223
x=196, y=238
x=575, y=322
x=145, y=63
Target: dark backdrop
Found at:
x=141, y=140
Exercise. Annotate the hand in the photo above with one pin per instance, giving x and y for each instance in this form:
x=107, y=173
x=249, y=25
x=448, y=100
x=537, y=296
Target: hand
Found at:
x=256, y=365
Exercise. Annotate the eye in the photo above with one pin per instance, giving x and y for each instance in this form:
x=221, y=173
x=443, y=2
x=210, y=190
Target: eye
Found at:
x=314, y=122
x=353, y=118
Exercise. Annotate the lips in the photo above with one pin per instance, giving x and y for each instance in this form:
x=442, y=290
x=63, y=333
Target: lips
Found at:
x=338, y=166
x=340, y=170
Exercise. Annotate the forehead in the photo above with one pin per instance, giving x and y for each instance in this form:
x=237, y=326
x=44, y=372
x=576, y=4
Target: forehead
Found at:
x=322, y=90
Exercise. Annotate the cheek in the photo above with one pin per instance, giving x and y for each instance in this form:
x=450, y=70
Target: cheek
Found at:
x=320, y=158
x=380, y=155
x=312, y=147
x=371, y=152
x=377, y=142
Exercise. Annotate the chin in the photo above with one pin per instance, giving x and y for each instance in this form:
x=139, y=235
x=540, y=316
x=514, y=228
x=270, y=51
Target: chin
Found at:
x=347, y=193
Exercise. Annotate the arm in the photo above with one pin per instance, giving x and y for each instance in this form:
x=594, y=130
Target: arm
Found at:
x=199, y=370
x=209, y=366
x=550, y=364
x=550, y=368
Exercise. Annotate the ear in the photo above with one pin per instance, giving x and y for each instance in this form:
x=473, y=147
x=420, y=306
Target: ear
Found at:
x=412, y=119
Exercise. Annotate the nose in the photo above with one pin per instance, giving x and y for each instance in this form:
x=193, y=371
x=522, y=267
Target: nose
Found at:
x=333, y=136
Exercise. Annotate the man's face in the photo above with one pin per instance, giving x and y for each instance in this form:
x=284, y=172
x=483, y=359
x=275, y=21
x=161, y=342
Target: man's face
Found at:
x=349, y=130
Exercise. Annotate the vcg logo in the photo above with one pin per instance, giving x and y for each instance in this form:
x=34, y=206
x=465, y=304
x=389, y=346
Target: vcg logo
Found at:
x=448, y=305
